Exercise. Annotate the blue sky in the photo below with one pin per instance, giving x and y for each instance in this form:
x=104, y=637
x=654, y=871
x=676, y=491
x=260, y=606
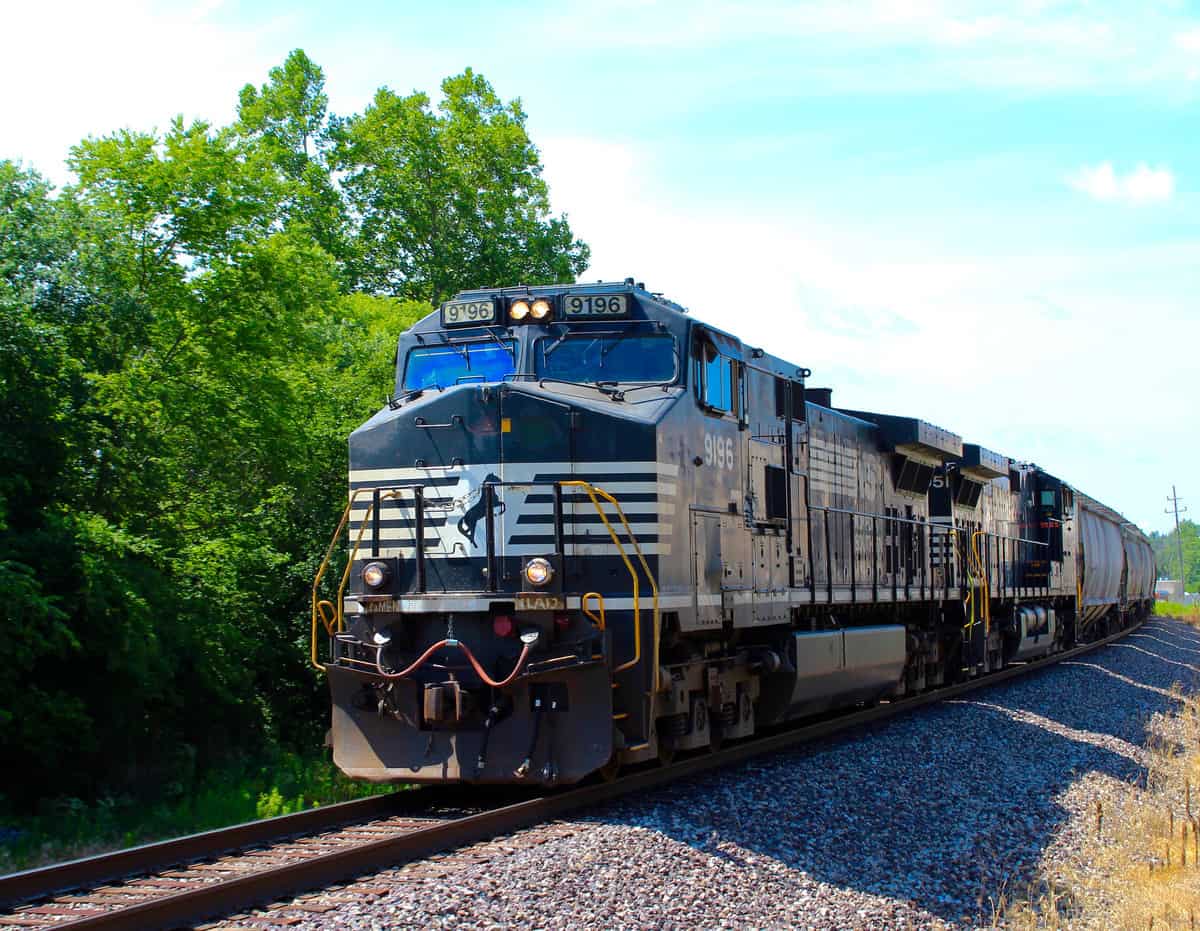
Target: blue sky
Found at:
x=981, y=214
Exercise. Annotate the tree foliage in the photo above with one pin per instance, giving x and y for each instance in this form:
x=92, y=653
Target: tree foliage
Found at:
x=450, y=195
x=187, y=335
x=1166, y=554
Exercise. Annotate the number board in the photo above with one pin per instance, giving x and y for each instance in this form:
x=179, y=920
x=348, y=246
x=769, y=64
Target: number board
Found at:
x=595, y=305
x=538, y=601
x=459, y=313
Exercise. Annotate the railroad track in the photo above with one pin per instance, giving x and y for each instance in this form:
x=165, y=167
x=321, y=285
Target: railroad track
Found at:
x=180, y=882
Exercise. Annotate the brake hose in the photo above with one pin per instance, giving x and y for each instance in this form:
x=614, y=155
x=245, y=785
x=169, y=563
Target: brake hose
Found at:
x=475, y=664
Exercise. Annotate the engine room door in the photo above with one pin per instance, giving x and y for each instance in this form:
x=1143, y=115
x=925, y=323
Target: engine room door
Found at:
x=800, y=577
x=536, y=446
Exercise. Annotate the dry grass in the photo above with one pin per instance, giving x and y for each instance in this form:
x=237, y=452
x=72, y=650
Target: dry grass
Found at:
x=1139, y=866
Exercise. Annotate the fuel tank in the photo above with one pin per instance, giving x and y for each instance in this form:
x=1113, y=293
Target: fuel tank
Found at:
x=1033, y=631
x=827, y=668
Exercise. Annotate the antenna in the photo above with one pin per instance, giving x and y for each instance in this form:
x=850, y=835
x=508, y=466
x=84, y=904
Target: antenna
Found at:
x=1175, y=499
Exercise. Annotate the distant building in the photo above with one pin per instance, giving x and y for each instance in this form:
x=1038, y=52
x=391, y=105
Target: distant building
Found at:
x=1169, y=590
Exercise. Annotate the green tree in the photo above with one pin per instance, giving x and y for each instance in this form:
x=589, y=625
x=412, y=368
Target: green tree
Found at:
x=44, y=451
x=285, y=128
x=1166, y=554
x=35, y=373
x=188, y=333
x=451, y=197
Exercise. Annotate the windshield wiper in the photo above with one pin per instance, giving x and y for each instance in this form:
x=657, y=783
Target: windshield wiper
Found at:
x=649, y=384
x=605, y=350
x=511, y=350
x=604, y=387
x=656, y=384
x=459, y=348
x=558, y=342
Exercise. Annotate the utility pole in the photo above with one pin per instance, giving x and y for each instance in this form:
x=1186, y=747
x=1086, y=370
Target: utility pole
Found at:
x=1175, y=499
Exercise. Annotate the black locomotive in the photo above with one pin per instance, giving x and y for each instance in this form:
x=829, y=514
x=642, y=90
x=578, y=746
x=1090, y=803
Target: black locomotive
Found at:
x=589, y=530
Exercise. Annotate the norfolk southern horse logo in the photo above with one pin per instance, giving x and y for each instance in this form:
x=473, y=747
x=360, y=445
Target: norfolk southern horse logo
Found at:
x=473, y=514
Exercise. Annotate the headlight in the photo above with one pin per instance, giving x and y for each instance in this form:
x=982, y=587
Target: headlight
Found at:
x=375, y=575
x=538, y=571
x=519, y=310
x=539, y=309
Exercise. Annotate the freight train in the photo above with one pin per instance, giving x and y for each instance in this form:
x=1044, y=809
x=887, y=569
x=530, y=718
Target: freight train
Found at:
x=588, y=530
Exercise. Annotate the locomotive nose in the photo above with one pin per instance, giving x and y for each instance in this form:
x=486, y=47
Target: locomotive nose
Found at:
x=481, y=533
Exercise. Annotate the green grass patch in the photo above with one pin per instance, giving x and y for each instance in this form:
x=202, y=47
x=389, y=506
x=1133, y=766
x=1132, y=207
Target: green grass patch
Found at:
x=1189, y=613
x=65, y=829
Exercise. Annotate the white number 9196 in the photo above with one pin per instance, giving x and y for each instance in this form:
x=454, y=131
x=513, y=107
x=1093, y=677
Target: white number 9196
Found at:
x=718, y=451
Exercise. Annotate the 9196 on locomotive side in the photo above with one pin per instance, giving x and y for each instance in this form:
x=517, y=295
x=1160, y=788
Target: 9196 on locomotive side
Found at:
x=590, y=530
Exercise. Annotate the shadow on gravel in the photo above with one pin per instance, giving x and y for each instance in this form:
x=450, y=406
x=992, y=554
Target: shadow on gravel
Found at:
x=944, y=807
x=1172, y=645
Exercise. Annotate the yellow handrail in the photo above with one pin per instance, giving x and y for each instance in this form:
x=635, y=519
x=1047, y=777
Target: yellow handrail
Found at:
x=328, y=615
x=969, y=599
x=583, y=603
x=337, y=621
x=984, y=583
x=316, y=599
x=362, y=528
x=592, y=491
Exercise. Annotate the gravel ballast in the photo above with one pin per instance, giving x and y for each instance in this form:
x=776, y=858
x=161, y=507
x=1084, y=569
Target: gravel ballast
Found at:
x=919, y=822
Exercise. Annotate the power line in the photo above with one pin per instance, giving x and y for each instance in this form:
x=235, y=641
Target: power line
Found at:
x=1175, y=499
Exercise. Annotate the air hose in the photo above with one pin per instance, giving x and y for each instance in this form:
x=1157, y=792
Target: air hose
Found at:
x=475, y=664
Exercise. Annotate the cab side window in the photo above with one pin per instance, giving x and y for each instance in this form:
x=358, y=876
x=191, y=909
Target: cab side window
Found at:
x=718, y=383
x=717, y=377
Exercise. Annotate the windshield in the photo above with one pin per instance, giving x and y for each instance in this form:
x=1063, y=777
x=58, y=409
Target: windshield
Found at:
x=616, y=357
x=443, y=366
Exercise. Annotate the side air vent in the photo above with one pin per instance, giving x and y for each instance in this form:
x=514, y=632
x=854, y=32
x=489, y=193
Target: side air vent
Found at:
x=966, y=491
x=912, y=476
x=919, y=448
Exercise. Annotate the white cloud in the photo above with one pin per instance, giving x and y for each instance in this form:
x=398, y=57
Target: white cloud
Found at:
x=1058, y=44
x=75, y=69
x=885, y=22
x=1143, y=185
x=1188, y=40
x=1007, y=350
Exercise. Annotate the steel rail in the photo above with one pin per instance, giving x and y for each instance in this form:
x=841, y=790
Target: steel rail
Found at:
x=41, y=882
x=248, y=890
